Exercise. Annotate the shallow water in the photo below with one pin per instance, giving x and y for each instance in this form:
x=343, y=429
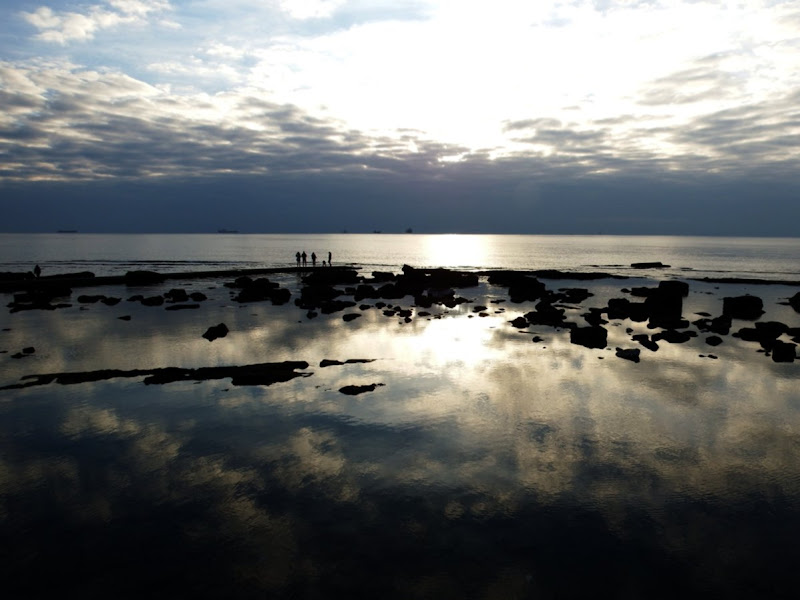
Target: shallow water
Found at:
x=113, y=254
x=486, y=465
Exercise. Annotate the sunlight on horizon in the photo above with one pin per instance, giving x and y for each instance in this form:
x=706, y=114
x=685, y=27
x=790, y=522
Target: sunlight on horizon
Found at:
x=455, y=250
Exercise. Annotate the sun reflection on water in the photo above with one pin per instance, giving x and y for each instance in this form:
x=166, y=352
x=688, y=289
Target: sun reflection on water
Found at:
x=456, y=250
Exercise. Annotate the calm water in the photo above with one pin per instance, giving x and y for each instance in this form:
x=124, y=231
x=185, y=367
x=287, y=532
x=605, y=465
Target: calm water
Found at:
x=491, y=462
x=776, y=258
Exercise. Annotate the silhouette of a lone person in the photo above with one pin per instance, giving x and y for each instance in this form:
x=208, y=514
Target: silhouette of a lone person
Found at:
x=37, y=271
x=329, y=259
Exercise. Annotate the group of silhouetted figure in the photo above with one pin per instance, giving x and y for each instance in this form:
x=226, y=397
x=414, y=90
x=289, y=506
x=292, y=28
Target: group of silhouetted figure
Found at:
x=302, y=259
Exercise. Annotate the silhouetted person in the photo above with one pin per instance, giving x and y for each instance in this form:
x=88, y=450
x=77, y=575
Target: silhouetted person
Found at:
x=313, y=259
x=304, y=257
x=37, y=271
x=323, y=263
x=329, y=259
x=297, y=256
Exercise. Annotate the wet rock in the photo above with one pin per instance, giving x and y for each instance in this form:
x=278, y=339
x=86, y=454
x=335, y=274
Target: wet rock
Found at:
x=332, y=306
x=215, y=332
x=713, y=340
x=674, y=336
x=176, y=295
x=794, y=302
x=143, y=278
x=198, y=296
x=263, y=289
x=354, y=390
x=649, y=265
x=350, y=317
x=124, y=318
x=720, y=325
x=29, y=350
x=546, y=314
x=90, y=299
x=526, y=289
x=326, y=362
x=745, y=307
x=591, y=337
x=631, y=354
x=645, y=341
x=153, y=301
x=784, y=352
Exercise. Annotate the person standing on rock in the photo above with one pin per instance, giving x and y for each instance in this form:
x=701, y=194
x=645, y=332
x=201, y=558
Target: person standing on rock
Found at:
x=313, y=259
x=303, y=256
x=329, y=259
x=297, y=256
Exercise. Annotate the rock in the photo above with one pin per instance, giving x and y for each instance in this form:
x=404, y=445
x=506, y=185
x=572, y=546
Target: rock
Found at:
x=631, y=354
x=153, y=301
x=526, y=289
x=111, y=301
x=353, y=390
x=673, y=336
x=720, y=325
x=649, y=265
x=90, y=299
x=713, y=340
x=176, y=295
x=783, y=352
x=198, y=296
x=645, y=341
x=673, y=287
x=350, y=317
x=216, y=331
x=794, y=302
x=745, y=307
x=143, y=278
x=124, y=318
x=29, y=350
x=591, y=337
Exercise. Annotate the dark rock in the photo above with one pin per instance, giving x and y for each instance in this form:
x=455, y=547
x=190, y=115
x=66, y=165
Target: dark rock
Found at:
x=794, y=302
x=216, y=331
x=143, y=278
x=124, y=318
x=746, y=307
x=713, y=340
x=526, y=289
x=332, y=306
x=573, y=295
x=645, y=341
x=353, y=390
x=198, y=296
x=673, y=287
x=29, y=350
x=591, y=337
x=326, y=362
x=364, y=291
x=136, y=298
x=153, y=301
x=784, y=352
x=350, y=317
x=631, y=354
x=673, y=336
x=176, y=295
x=90, y=299
x=649, y=265
x=111, y=301
x=720, y=325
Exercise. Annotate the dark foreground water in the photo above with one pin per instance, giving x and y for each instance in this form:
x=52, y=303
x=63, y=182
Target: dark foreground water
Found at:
x=487, y=462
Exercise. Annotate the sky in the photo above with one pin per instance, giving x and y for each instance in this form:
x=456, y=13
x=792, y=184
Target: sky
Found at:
x=544, y=117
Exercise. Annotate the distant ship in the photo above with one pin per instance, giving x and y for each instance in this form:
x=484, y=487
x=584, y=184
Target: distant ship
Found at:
x=67, y=231
x=227, y=231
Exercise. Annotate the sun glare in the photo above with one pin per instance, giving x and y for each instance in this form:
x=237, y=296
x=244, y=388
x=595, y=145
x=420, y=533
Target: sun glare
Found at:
x=456, y=250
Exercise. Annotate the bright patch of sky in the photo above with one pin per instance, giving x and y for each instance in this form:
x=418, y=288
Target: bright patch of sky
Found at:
x=635, y=80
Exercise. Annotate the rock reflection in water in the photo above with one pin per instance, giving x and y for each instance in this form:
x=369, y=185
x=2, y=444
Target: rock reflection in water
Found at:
x=485, y=466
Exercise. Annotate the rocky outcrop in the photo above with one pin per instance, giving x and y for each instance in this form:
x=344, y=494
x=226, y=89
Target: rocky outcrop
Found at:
x=746, y=307
x=591, y=337
x=216, y=331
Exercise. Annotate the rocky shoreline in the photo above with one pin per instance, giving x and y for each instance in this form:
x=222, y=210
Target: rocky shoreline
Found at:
x=415, y=294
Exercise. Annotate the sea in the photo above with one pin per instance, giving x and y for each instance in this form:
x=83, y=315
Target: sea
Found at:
x=114, y=254
x=412, y=451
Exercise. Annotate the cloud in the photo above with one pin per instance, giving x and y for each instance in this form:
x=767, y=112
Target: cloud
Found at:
x=62, y=27
x=310, y=9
